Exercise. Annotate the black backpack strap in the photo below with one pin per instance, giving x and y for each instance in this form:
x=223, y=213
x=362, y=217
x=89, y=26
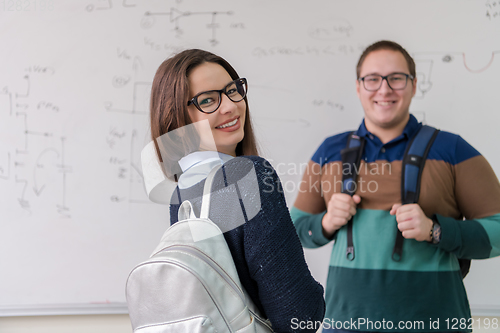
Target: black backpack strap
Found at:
x=351, y=160
x=414, y=161
x=411, y=174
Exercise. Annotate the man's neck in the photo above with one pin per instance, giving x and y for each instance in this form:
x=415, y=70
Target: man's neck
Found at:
x=387, y=134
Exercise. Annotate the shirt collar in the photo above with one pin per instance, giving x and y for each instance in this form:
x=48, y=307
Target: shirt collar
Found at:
x=202, y=157
x=196, y=166
x=409, y=131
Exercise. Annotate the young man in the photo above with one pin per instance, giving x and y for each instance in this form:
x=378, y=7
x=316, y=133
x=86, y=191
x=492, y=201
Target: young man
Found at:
x=457, y=215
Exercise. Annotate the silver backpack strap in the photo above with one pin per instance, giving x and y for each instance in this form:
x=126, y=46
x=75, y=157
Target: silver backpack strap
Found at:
x=207, y=189
x=186, y=210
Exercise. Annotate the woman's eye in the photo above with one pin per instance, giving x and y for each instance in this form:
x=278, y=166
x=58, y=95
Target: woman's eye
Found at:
x=206, y=101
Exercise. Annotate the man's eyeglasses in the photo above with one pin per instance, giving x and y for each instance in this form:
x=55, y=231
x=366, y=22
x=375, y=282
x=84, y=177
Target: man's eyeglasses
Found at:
x=396, y=81
x=209, y=101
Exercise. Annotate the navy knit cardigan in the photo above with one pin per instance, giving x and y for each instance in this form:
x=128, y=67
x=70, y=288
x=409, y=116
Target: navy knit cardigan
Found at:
x=266, y=250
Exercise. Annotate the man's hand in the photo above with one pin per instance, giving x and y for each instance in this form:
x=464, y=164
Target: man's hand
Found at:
x=412, y=222
x=340, y=209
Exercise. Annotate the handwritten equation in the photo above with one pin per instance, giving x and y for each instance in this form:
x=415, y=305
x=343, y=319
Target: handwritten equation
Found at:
x=331, y=30
x=328, y=103
x=308, y=50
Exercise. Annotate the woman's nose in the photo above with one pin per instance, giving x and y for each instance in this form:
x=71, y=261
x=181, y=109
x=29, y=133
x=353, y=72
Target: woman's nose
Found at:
x=226, y=105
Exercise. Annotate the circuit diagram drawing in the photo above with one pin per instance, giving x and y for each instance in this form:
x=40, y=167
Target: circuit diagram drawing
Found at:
x=426, y=62
x=32, y=157
x=483, y=68
x=125, y=143
x=174, y=16
x=424, y=72
x=460, y=57
x=107, y=5
x=138, y=87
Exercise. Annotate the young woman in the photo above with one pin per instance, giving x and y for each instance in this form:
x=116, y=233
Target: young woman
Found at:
x=198, y=87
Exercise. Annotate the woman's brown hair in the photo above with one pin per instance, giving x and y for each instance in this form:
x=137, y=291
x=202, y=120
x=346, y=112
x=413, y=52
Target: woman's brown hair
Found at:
x=170, y=93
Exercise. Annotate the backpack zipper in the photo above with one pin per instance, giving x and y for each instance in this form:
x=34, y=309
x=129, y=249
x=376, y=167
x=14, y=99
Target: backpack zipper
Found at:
x=262, y=321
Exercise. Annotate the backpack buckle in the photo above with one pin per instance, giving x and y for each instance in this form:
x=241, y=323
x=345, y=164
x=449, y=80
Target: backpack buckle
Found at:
x=350, y=253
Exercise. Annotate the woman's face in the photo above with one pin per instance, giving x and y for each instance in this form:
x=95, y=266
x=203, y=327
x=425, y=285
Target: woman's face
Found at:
x=211, y=76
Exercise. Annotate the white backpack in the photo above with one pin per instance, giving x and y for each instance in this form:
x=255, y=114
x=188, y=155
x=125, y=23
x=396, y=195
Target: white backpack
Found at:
x=190, y=283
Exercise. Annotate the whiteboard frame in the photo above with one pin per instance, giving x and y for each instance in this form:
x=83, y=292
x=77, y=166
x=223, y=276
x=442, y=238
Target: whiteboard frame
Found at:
x=63, y=310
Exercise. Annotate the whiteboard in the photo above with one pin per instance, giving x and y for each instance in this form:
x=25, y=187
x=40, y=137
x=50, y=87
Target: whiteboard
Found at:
x=75, y=78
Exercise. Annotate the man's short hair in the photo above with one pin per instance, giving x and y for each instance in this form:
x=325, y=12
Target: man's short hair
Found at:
x=386, y=45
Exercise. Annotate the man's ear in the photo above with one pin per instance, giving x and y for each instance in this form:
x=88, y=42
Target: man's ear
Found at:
x=358, y=87
x=414, y=87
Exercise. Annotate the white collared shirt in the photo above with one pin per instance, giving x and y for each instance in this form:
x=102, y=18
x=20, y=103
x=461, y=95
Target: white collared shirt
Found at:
x=196, y=166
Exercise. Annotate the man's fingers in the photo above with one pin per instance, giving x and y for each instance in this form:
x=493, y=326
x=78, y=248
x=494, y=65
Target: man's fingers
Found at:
x=410, y=234
x=342, y=214
x=356, y=198
x=340, y=222
x=406, y=216
x=400, y=209
x=348, y=208
x=403, y=226
x=341, y=208
x=395, y=208
x=340, y=205
x=341, y=197
x=352, y=211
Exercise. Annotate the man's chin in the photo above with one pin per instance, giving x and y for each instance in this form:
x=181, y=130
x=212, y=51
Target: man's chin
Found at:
x=392, y=121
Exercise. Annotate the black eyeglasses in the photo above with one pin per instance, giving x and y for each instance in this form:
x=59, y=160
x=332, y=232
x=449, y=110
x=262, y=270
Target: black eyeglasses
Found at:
x=396, y=81
x=209, y=101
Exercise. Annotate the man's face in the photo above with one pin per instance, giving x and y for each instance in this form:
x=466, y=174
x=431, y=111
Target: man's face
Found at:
x=385, y=108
